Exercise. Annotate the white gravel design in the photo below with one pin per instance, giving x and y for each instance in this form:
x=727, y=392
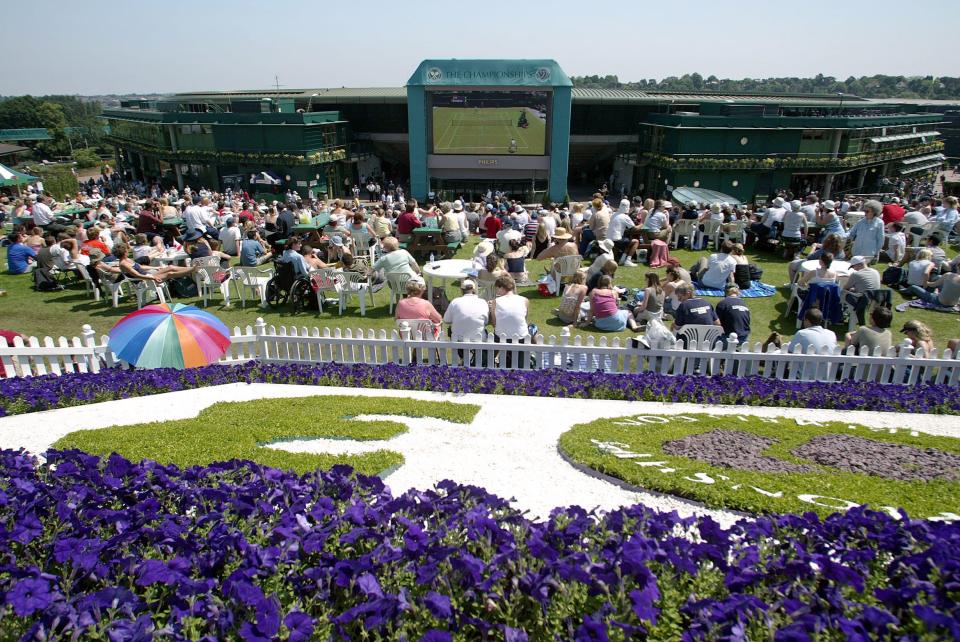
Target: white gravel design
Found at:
x=510, y=448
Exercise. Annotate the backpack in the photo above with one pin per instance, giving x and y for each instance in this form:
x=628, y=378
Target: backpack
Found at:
x=756, y=272
x=184, y=287
x=43, y=281
x=893, y=276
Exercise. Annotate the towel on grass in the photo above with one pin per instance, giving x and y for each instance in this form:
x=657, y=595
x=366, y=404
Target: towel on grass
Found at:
x=755, y=291
x=917, y=303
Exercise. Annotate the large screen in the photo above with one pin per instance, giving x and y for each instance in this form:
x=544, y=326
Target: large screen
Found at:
x=490, y=122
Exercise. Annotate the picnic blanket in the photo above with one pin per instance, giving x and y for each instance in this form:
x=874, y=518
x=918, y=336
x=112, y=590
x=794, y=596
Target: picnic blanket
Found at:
x=755, y=291
x=917, y=303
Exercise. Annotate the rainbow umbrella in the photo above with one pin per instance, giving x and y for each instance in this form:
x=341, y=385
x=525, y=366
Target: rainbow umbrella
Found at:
x=161, y=336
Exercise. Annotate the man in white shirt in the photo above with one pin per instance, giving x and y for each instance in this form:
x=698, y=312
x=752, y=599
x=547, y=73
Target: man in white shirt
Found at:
x=230, y=238
x=467, y=314
x=813, y=335
x=717, y=270
x=42, y=214
x=461, y=219
x=195, y=217
x=949, y=216
x=620, y=225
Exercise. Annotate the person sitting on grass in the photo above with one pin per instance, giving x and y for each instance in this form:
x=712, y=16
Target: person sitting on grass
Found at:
x=943, y=292
x=716, y=270
x=572, y=299
x=920, y=336
x=876, y=335
x=605, y=314
x=651, y=306
x=608, y=269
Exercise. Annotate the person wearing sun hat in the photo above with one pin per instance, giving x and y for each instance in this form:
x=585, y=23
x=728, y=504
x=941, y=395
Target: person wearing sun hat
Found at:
x=606, y=247
x=561, y=246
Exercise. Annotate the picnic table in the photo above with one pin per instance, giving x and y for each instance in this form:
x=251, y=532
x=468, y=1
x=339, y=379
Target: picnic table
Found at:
x=171, y=222
x=446, y=270
x=429, y=240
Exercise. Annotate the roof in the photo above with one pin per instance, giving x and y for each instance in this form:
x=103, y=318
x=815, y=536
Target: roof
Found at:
x=6, y=150
x=581, y=95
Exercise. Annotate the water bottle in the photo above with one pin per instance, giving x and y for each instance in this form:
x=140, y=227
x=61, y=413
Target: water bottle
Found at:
x=431, y=257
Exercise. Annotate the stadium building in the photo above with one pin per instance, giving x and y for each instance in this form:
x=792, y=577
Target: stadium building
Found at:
x=461, y=127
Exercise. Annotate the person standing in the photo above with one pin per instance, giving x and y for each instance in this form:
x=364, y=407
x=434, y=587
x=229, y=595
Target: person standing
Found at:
x=867, y=233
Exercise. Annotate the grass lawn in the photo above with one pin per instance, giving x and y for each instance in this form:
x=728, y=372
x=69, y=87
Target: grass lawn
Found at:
x=228, y=431
x=487, y=130
x=63, y=313
x=628, y=450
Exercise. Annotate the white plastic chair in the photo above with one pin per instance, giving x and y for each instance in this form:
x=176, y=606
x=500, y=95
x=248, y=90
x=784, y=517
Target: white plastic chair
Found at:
x=734, y=231
x=207, y=284
x=147, y=290
x=696, y=334
x=354, y=283
x=397, y=282
x=685, y=227
x=323, y=281
x=564, y=267
x=112, y=286
x=252, y=280
x=87, y=281
x=361, y=245
x=711, y=231
x=428, y=329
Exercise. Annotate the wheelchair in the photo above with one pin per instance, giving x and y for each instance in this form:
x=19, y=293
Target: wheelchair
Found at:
x=286, y=286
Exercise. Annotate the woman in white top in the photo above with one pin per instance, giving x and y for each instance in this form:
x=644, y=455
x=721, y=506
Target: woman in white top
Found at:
x=919, y=268
x=823, y=273
x=508, y=312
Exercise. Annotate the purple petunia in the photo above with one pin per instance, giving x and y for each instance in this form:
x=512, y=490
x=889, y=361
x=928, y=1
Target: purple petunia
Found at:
x=29, y=595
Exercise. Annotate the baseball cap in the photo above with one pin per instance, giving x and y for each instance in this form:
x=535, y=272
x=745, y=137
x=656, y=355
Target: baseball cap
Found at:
x=830, y=206
x=858, y=260
x=468, y=284
x=336, y=240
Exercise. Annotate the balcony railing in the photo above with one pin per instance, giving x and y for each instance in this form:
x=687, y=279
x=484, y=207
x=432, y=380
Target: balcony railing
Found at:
x=786, y=161
x=325, y=155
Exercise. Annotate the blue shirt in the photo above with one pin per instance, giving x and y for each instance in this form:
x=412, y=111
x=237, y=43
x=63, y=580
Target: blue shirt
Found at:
x=250, y=249
x=867, y=237
x=17, y=255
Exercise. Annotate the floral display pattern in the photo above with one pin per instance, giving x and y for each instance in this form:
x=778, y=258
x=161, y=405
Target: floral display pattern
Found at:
x=110, y=550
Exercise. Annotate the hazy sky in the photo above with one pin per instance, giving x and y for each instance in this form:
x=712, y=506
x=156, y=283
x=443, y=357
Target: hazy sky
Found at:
x=101, y=46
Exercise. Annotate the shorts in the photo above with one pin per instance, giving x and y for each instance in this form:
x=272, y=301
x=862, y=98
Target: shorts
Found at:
x=612, y=323
x=622, y=244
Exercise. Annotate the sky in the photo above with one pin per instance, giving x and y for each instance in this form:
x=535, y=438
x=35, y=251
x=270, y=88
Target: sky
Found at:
x=93, y=47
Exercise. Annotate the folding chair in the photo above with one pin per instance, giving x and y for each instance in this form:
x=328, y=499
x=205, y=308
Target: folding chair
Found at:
x=252, y=280
x=397, y=282
x=206, y=277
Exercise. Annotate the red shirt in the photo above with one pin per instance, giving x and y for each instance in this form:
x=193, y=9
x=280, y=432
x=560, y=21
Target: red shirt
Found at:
x=892, y=213
x=493, y=225
x=7, y=336
x=246, y=215
x=407, y=222
x=97, y=243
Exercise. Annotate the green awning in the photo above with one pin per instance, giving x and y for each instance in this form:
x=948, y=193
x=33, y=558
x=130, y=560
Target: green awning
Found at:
x=10, y=177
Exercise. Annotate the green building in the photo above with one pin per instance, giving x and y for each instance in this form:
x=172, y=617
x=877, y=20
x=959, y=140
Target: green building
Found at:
x=461, y=127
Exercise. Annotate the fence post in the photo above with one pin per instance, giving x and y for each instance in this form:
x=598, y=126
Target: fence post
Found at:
x=260, y=345
x=90, y=340
x=404, y=337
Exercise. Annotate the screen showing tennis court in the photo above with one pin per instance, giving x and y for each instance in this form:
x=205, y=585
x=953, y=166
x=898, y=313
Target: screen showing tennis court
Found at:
x=490, y=122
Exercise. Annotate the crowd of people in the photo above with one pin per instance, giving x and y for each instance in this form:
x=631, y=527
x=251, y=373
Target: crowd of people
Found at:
x=122, y=234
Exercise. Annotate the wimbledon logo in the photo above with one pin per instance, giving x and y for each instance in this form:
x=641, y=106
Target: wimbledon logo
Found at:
x=434, y=74
x=543, y=74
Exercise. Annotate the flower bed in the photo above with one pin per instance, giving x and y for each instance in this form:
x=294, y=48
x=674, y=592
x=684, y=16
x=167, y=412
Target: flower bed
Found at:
x=106, y=549
x=42, y=393
x=773, y=465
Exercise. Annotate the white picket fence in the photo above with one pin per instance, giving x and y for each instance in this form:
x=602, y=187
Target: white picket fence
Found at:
x=270, y=344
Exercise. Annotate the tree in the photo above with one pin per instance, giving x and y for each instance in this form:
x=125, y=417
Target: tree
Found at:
x=52, y=117
x=19, y=113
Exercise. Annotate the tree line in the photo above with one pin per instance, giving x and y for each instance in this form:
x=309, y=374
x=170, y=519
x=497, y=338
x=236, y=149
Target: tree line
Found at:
x=56, y=114
x=878, y=86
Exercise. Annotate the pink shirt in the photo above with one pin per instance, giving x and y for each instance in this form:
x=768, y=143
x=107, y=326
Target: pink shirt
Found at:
x=604, y=304
x=417, y=308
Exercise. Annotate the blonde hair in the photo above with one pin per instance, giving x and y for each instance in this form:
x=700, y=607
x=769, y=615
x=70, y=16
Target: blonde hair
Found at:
x=924, y=255
x=924, y=333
